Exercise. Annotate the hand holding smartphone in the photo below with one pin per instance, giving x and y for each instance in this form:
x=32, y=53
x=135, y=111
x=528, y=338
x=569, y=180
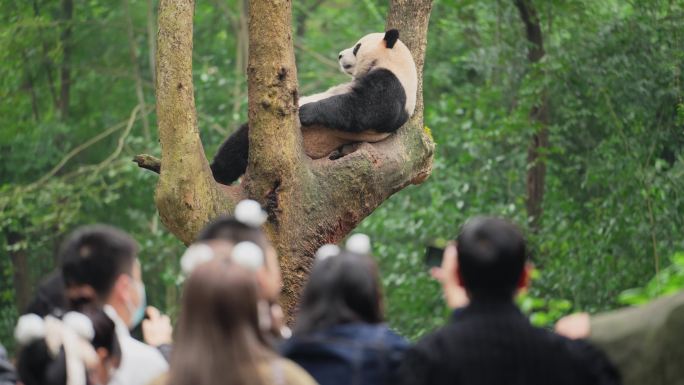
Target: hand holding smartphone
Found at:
x=446, y=274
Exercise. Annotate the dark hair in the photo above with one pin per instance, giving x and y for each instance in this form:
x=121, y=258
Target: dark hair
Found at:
x=35, y=364
x=105, y=332
x=341, y=289
x=218, y=339
x=97, y=255
x=230, y=229
x=50, y=297
x=491, y=257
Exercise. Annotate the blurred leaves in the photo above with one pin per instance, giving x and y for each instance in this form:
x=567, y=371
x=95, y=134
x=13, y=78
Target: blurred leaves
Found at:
x=613, y=207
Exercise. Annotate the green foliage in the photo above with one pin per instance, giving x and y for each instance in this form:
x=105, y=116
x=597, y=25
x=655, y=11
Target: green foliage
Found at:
x=543, y=312
x=668, y=281
x=615, y=168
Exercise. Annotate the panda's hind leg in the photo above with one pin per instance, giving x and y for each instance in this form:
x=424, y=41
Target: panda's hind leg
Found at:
x=230, y=161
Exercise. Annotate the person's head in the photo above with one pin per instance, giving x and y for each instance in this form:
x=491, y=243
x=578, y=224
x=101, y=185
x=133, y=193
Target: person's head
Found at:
x=343, y=288
x=492, y=258
x=106, y=345
x=218, y=339
x=235, y=231
x=100, y=265
x=93, y=346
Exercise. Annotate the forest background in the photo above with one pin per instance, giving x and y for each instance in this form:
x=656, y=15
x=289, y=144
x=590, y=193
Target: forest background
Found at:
x=77, y=103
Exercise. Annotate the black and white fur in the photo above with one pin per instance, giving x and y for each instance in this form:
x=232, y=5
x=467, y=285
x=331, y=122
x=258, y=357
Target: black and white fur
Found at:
x=382, y=95
x=380, y=98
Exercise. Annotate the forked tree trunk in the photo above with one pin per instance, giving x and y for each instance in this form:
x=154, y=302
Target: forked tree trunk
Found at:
x=309, y=202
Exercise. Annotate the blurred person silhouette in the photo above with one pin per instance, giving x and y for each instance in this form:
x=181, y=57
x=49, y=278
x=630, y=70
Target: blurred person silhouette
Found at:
x=488, y=340
x=8, y=374
x=79, y=349
x=100, y=266
x=219, y=338
x=339, y=336
x=245, y=225
x=50, y=299
x=646, y=342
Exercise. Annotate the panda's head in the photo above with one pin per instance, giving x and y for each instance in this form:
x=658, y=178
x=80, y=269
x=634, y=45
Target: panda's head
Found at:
x=385, y=50
x=347, y=61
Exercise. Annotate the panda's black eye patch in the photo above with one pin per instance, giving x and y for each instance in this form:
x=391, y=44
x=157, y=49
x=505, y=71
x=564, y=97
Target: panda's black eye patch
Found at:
x=356, y=49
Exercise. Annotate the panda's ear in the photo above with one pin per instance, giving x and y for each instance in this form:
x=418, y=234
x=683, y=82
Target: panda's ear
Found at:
x=391, y=38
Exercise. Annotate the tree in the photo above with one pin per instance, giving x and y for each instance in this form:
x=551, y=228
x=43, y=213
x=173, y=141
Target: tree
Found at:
x=539, y=116
x=309, y=203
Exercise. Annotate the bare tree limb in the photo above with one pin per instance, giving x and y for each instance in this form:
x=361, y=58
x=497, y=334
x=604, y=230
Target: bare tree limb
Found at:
x=81, y=148
x=148, y=162
x=122, y=140
x=320, y=58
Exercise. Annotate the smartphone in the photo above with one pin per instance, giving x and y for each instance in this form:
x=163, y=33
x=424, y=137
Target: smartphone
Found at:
x=433, y=256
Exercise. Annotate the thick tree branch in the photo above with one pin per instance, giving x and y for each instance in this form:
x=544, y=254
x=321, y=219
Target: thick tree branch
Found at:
x=275, y=149
x=187, y=195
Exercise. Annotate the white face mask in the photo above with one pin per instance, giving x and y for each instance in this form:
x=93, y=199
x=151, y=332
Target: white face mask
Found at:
x=137, y=313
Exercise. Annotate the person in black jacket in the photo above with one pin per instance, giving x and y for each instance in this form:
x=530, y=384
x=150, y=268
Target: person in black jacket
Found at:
x=490, y=341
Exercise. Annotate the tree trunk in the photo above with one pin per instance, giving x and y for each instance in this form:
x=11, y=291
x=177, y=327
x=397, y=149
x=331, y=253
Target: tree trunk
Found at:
x=539, y=116
x=65, y=72
x=19, y=258
x=309, y=202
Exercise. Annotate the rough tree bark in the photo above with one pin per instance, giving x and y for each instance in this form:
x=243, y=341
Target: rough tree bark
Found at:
x=309, y=202
x=539, y=115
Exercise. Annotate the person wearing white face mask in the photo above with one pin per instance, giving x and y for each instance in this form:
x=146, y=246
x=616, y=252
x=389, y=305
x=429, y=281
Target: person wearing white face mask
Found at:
x=100, y=266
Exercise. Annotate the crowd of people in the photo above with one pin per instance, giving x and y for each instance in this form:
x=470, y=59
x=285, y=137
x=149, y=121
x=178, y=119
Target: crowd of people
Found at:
x=231, y=329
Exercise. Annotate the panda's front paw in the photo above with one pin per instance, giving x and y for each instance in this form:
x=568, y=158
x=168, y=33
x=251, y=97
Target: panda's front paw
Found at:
x=307, y=114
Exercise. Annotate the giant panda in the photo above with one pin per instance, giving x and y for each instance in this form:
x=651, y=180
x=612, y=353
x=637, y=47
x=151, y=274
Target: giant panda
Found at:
x=380, y=98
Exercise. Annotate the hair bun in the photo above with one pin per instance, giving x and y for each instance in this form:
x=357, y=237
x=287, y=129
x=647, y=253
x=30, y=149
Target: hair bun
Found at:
x=80, y=324
x=194, y=256
x=249, y=212
x=30, y=327
x=359, y=244
x=249, y=255
x=326, y=251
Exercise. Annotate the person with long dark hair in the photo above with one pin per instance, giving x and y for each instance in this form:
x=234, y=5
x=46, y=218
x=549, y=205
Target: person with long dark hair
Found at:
x=218, y=340
x=81, y=348
x=339, y=335
x=245, y=225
